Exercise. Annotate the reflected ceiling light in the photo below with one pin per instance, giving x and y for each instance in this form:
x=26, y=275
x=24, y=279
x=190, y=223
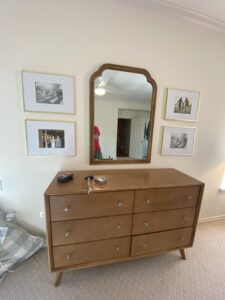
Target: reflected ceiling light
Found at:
x=99, y=91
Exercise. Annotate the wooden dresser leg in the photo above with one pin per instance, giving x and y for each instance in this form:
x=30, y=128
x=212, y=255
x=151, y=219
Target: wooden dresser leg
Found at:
x=58, y=278
x=182, y=253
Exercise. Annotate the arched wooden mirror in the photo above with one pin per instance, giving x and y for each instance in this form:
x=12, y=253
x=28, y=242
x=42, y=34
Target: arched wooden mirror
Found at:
x=122, y=108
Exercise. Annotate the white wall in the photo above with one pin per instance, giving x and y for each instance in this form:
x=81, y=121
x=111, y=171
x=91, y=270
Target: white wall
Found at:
x=106, y=118
x=106, y=114
x=75, y=38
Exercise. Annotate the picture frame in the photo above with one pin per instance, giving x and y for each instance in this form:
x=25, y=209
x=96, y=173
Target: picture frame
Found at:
x=178, y=140
x=48, y=92
x=182, y=105
x=46, y=138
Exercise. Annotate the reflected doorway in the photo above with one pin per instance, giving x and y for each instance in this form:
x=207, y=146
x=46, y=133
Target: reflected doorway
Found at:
x=123, y=137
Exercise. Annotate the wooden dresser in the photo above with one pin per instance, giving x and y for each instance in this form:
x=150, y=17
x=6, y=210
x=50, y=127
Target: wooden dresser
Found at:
x=136, y=214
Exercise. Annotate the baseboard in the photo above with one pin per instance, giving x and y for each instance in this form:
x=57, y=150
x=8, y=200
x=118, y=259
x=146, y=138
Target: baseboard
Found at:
x=211, y=219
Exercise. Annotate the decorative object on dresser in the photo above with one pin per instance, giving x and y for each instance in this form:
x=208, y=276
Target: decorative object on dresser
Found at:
x=138, y=213
x=48, y=92
x=182, y=105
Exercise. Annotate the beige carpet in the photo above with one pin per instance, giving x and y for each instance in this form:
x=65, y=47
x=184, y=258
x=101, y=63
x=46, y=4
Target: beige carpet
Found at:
x=201, y=276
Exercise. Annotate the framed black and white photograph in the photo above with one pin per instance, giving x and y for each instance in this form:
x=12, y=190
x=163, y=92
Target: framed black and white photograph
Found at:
x=50, y=138
x=48, y=92
x=182, y=105
x=178, y=140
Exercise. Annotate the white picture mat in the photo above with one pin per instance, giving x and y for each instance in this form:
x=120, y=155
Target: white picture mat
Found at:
x=29, y=92
x=169, y=131
x=172, y=97
x=32, y=128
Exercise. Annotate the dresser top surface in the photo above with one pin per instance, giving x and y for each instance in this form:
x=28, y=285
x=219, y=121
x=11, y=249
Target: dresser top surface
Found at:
x=125, y=179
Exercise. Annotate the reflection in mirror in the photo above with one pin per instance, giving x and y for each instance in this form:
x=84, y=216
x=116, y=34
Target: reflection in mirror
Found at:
x=121, y=114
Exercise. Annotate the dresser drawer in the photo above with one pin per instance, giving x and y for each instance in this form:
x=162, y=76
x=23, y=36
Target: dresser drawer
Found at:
x=168, y=198
x=81, y=206
x=150, y=243
x=163, y=220
x=90, y=252
x=86, y=230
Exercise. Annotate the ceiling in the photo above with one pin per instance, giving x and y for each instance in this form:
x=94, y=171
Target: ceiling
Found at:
x=210, y=13
x=125, y=85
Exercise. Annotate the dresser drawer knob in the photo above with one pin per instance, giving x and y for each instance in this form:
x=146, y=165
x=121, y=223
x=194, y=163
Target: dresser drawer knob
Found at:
x=120, y=203
x=188, y=197
x=117, y=248
x=67, y=233
x=148, y=201
x=118, y=226
x=185, y=218
x=67, y=208
x=144, y=245
x=171, y=197
x=68, y=257
x=146, y=224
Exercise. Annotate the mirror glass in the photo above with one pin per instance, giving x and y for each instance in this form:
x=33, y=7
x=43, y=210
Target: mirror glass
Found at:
x=122, y=115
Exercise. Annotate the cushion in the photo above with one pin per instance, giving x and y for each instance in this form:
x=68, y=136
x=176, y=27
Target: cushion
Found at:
x=16, y=245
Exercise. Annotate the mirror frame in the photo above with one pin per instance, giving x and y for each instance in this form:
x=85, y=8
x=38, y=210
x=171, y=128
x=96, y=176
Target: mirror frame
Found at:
x=92, y=112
